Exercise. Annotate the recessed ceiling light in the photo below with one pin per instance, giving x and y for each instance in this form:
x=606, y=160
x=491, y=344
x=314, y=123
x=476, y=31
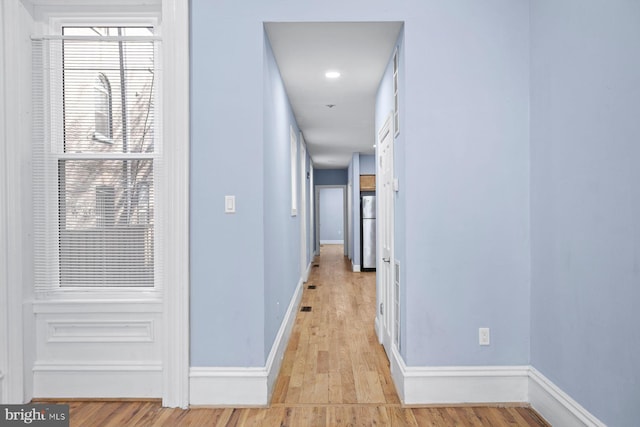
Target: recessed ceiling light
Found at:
x=332, y=74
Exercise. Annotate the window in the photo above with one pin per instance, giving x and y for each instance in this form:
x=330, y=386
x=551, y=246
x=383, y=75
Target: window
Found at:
x=96, y=156
x=102, y=110
x=396, y=115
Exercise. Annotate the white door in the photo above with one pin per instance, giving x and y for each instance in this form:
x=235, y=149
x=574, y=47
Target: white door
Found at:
x=385, y=221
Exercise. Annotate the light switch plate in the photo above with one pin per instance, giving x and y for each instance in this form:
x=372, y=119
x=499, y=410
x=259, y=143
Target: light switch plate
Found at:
x=484, y=336
x=230, y=204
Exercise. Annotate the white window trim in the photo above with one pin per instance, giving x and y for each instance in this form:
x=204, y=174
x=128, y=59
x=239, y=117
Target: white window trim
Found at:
x=175, y=64
x=56, y=22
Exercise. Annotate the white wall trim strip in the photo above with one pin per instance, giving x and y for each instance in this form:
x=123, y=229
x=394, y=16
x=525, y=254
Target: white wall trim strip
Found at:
x=356, y=268
x=555, y=406
x=332, y=242
x=245, y=386
x=16, y=100
x=175, y=33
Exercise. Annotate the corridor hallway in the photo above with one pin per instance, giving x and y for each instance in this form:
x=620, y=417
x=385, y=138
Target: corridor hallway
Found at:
x=334, y=373
x=333, y=354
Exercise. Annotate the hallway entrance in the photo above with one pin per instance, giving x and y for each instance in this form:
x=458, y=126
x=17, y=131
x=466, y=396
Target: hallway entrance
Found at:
x=334, y=356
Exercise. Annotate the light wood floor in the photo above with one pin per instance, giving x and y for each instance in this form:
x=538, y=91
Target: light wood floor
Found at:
x=334, y=373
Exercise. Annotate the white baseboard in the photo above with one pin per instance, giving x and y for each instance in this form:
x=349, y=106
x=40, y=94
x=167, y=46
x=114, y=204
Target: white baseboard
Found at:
x=97, y=380
x=307, y=272
x=332, y=242
x=555, y=406
x=356, y=268
x=459, y=384
x=488, y=384
x=274, y=361
x=228, y=386
x=245, y=386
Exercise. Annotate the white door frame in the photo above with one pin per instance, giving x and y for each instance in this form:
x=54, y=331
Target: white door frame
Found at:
x=312, y=235
x=349, y=247
x=317, y=214
x=304, y=270
x=386, y=258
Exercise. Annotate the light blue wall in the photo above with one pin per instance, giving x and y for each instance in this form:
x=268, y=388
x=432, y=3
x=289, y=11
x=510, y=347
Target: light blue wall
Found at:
x=465, y=126
x=466, y=185
x=282, y=251
x=330, y=177
x=227, y=158
x=367, y=164
x=331, y=214
x=585, y=202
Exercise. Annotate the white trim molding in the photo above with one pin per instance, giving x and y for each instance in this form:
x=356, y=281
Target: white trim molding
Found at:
x=175, y=34
x=274, y=361
x=307, y=272
x=73, y=379
x=15, y=204
x=452, y=385
x=555, y=406
x=355, y=267
x=228, y=386
x=460, y=384
x=236, y=386
x=332, y=242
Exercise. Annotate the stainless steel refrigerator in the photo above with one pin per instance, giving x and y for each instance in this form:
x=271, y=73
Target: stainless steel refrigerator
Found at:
x=368, y=232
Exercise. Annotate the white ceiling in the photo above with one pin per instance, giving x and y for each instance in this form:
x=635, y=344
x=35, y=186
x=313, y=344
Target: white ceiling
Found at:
x=360, y=52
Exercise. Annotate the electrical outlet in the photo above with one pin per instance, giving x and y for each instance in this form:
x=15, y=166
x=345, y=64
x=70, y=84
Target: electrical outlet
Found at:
x=484, y=336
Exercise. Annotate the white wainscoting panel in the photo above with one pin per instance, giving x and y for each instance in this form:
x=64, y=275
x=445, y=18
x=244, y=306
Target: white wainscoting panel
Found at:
x=80, y=379
x=555, y=406
x=79, y=331
x=93, y=349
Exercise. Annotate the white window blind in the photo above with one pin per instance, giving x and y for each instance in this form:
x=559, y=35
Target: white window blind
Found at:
x=96, y=154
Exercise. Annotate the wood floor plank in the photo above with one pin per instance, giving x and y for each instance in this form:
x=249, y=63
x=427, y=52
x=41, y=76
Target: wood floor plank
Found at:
x=335, y=387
